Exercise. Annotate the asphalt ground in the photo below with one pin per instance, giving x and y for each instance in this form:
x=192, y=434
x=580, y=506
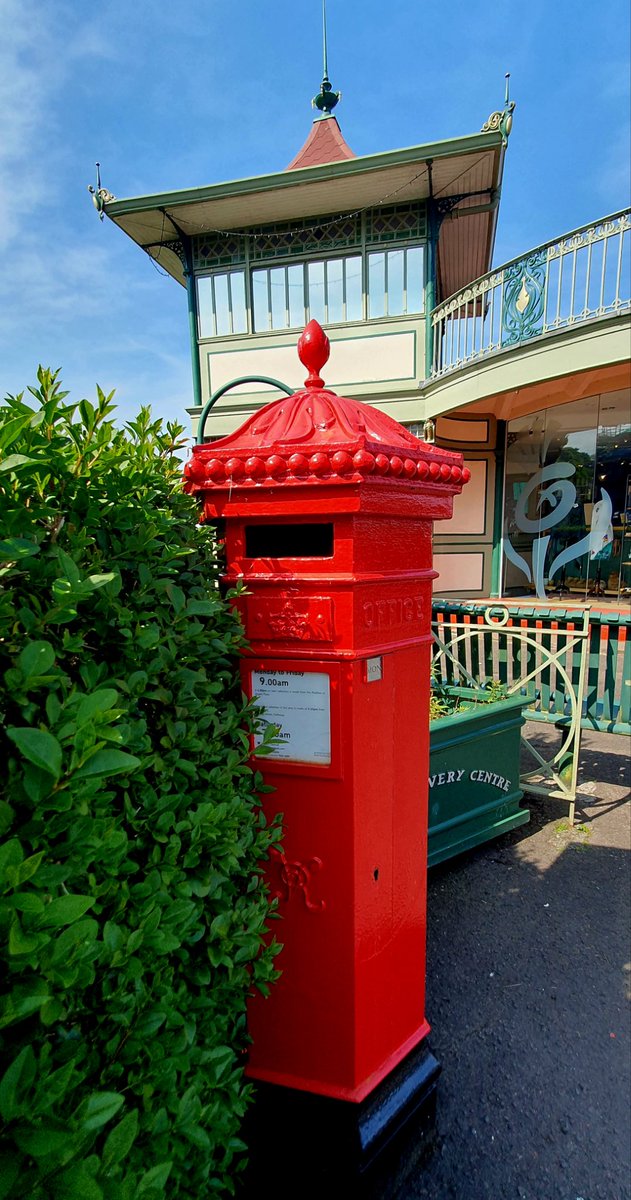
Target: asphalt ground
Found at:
x=528, y=980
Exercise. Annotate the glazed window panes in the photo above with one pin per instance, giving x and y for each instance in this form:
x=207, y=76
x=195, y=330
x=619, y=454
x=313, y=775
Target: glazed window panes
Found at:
x=221, y=304
x=335, y=290
x=261, y=300
x=377, y=284
x=287, y=297
x=296, y=285
x=329, y=289
x=353, y=288
x=316, y=296
x=395, y=282
x=278, y=298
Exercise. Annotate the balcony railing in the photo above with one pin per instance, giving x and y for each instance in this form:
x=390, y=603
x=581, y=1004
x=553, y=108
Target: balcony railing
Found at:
x=577, y=278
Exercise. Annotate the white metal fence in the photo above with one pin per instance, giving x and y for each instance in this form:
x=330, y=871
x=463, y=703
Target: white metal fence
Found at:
x=579, y=277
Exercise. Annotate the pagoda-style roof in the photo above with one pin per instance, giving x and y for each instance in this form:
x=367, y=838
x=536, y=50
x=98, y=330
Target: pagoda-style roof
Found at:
x=325, y=144
x=462, y=174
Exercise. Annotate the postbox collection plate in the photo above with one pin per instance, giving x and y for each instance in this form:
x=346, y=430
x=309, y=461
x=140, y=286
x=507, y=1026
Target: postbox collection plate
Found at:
x=299, y=703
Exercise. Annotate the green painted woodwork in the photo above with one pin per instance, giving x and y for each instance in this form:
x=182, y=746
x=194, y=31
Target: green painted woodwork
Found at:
x=523, y=298
x=498, y=510
x=474, y=792
x=433, y=229
x=453, y=148
x=396, y=222
x=608, y=694
x=539, y=653
x=607, y=698
x=191, y=297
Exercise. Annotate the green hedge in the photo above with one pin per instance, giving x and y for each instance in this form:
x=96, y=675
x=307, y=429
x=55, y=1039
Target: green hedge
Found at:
x=132, y=909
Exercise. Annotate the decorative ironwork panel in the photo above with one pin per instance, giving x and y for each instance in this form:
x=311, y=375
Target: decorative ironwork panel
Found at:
x=396, y=223
x=292, y=239
x=523, y=302
x=217, y=250
x=295, y=238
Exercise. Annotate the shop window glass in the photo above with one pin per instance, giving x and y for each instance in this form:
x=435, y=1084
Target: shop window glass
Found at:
x=565, y=528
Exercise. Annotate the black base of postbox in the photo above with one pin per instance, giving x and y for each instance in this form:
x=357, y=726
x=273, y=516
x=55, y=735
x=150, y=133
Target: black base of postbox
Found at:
x=308, y=1146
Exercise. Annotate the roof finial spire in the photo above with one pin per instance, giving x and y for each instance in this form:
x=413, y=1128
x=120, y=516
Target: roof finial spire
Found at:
x=502, y=121
x=326, y=98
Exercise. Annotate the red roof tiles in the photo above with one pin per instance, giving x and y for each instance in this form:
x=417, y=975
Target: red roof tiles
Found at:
x=325, y=144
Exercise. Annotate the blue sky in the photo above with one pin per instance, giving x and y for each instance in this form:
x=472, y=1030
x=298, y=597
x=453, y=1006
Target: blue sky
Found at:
x=192, y=93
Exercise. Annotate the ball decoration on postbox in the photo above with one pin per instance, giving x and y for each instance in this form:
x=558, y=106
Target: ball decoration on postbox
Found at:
x=328, y=506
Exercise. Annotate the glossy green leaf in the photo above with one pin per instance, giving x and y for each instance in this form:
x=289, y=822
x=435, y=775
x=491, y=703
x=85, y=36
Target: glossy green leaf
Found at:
x=99, y=1109
x=36, y=659
x=21, y=941
x=13, y=549
x=42, y=1142
x=155, y=1178
x=107, y=762
x=39, y=747
x=17, y=1005
x=29, y=867
x=122, y=849
x=13, y=461
x=121, y=1139
x=64, y=910
x=98, y=702
x=20, y=1073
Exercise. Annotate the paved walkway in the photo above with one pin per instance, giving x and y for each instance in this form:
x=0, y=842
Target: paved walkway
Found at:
x=528, y=986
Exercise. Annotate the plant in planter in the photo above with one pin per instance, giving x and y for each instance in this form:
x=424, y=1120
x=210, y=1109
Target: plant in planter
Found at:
x=474, y=745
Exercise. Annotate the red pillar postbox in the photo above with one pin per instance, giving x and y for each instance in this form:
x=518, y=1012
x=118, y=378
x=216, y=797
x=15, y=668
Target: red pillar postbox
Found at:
x=328, y=507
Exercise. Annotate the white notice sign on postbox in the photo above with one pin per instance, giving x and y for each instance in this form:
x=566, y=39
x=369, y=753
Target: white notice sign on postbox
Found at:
x=299, y=703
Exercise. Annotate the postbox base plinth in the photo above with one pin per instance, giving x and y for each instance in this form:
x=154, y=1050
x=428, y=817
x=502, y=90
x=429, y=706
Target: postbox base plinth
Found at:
x=301, y=1144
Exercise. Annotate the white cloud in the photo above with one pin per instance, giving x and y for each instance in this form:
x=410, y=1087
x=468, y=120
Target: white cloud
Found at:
x=37, y=54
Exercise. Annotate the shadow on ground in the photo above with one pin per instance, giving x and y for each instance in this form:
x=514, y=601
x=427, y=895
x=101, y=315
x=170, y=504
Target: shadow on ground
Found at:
x=528, y=986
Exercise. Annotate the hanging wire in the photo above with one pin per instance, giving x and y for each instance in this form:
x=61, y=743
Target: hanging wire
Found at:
x=252, y=237
x=155, y=258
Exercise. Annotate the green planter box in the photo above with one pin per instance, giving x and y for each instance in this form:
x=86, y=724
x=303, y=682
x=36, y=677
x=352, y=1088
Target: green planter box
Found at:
x=474, y=791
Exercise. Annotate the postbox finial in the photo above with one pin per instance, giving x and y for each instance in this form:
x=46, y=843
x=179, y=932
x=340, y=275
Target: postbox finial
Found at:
x=313, y=351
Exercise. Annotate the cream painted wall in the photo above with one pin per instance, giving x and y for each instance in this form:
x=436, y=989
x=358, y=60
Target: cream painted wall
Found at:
x=461, y=571
x=355, y=361
x=470, y=507
x=570, y=351
x=450, y=430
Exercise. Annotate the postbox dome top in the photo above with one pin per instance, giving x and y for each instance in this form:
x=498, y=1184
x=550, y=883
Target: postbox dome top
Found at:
x=316, y=434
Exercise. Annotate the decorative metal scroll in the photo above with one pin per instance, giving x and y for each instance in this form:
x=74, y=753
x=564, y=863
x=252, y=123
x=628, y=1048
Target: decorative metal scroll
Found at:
x=275, y=383
x=522, y=309
x=549, y=656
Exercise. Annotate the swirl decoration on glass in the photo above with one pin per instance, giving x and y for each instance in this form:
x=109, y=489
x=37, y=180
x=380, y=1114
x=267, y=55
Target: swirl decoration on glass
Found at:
x=557, y=492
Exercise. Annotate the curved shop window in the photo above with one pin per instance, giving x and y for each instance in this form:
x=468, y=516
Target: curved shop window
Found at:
x=567, y=508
